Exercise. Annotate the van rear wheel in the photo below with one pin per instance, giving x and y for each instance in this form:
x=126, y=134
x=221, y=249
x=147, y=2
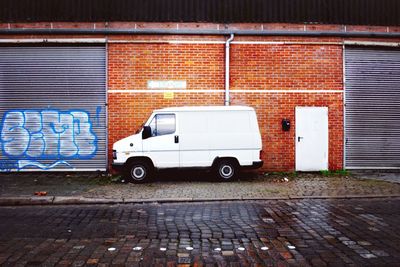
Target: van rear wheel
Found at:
x=138, y=172
x=226, y=170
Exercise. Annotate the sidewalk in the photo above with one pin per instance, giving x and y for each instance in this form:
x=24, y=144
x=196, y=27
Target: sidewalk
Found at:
x=77, y=188
x=388, y=175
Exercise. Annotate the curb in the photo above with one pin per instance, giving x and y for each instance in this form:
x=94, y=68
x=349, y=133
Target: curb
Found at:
x=79, y=200
x=17, y=201
x=84, y=200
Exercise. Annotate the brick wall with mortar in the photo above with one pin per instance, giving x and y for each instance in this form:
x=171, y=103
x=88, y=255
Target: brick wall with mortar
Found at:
x=258, y=68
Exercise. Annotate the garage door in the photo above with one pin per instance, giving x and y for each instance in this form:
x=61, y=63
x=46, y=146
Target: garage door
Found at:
x=372, y=111
x=52, y=108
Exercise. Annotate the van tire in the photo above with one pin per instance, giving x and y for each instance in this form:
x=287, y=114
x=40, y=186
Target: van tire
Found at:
x=139, y=172
x=226, y=170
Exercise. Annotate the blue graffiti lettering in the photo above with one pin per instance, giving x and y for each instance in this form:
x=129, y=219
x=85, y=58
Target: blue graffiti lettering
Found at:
x=25, y=163
x=8, y=165
x=47, y=134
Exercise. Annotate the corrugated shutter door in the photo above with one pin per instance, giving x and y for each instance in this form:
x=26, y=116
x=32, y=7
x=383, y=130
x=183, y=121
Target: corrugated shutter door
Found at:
x=372, y=116
x=53, y=108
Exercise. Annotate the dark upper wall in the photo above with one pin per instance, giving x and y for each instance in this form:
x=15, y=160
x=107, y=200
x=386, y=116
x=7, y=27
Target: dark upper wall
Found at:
x=361, y=12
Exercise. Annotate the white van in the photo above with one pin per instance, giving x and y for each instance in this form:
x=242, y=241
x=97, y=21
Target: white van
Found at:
x=223, y=138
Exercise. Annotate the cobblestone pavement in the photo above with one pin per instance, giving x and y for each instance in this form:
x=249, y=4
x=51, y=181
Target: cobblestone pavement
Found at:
x=194, y=185
x=382, y=175
x=61, y=184
x=357, y=232
x=248, y=188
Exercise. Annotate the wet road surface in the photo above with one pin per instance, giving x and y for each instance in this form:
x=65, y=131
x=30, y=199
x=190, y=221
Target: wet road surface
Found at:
x=313, y=232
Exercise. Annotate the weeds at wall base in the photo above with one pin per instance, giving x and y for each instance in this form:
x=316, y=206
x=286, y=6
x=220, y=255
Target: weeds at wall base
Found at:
x=335, y=173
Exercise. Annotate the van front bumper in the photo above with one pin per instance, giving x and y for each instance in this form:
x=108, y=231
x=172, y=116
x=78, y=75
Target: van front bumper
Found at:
x=117, y=166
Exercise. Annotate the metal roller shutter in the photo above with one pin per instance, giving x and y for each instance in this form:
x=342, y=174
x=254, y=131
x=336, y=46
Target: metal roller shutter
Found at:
x=52, y=105
x=372, y=111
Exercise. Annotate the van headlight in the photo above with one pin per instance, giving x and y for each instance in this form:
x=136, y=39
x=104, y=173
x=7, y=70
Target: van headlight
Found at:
x=114, y=154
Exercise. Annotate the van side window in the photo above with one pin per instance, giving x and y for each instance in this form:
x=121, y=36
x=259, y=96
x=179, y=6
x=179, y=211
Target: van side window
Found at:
x=162, y=124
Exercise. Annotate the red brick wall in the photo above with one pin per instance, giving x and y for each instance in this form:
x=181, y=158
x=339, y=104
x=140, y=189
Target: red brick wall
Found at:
x=261, y=67
x=286, y=67
x=132, y=65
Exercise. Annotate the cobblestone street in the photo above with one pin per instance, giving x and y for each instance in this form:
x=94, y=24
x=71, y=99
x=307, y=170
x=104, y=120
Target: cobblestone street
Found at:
x=312, y=232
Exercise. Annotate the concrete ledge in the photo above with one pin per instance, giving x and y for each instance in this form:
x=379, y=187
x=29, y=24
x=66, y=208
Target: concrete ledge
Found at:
x=372, y=196
x=84, y=200
x=159, y=200
x=216, y=199
x=267, y=198
x=317, y=197
x=134, y=200
x=45, y=200
x=79, y=200
x=16, y=201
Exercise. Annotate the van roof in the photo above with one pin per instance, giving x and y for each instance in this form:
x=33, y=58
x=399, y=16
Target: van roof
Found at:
x=205, y=108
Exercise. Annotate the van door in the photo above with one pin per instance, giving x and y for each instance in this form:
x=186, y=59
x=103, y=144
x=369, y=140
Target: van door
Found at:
x=163, y=145
x=194, y=139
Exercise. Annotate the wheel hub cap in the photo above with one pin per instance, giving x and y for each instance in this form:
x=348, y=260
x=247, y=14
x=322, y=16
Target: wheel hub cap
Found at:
x=226, y=171
x=138, y=173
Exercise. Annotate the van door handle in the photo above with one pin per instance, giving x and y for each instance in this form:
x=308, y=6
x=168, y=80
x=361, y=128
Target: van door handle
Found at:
x=299, y=138
x=176, y=139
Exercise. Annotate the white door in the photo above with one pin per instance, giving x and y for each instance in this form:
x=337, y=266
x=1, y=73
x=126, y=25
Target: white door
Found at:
x=311, y=138
x=163, y=145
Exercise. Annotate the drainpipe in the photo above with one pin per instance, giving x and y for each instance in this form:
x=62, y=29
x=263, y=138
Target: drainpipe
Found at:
x=227, y=62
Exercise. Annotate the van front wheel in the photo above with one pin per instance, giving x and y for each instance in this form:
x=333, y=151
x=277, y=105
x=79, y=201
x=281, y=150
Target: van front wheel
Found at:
x=226, y=170
x=138, y=172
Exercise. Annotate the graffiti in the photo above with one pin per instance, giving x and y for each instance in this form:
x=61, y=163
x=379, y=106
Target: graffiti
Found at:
x=8, y=165
x=31, y=135
x=24, y=163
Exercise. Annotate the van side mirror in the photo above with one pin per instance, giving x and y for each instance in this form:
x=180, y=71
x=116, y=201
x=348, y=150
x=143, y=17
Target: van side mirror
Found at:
x=146, y=133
